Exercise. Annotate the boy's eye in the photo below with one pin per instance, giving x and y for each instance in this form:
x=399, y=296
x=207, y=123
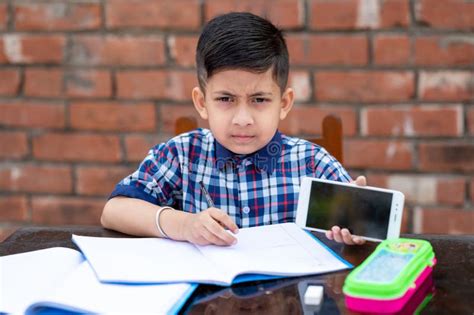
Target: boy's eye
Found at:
x=224, y=99
x=261, y=100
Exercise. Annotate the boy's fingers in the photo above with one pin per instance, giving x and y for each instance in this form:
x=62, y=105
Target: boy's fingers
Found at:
x=329, y=234
x=212, y=238
x=201, y=241
x=337, y=233
x=218, y=231
x=360, y=181
x=358, y=240
x=347, y=237
x=223, y=218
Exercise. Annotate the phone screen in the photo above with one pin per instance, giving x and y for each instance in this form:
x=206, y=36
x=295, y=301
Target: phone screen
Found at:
x=364, y=212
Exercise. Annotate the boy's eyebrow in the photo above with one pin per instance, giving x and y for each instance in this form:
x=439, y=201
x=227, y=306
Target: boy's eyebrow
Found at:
x=224, y=93
x=259, y=93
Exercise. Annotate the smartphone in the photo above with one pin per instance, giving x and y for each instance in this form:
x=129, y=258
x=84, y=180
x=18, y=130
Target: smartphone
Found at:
x=370, y=212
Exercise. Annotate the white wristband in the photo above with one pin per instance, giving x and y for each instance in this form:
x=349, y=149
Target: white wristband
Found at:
x=157, y=221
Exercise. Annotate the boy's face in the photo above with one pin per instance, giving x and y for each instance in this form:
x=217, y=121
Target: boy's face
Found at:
x=243, y=108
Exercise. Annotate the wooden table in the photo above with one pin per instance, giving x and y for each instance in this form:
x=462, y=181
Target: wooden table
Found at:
x=453, y=276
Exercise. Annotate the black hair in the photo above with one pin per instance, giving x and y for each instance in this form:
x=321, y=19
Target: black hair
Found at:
x=241, y=40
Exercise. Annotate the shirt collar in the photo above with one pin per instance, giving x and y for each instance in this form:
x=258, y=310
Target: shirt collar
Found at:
x=265, y=159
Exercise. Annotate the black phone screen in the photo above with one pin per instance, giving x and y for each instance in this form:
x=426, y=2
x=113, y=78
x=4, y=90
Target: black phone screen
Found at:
x=364, y=212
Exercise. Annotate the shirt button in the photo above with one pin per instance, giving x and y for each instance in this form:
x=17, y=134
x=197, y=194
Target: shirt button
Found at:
x=246, y=210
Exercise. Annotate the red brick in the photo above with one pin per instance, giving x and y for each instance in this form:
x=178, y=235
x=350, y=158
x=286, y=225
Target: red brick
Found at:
x=417, y=189
x=44, y=82
x=13, y=208
x=429, y=189
x=118, y=50
x=446, y=85
x=394, y=13
x=183, y=49
x=365, y=86
x=76, y=147
x=288, y=14
x=137, y=146
x=31, y=178
x=392, y=50
x=470, y=120
x=170, y=113
x=446, y=50
x=113, y=116
x=357, y=14
x=66, y=210
x=446, y=156
x=307, y=120
x=451, y=191
x=328, y=49
x=300, y=82
x=99, y=181
x=445, y=221
x=9, y=82
x=168, y=14
x=448, y=14
x=57, y=16
x=338, y=14
x=32, y=114
x=159, y=84
x=14, y=144
x=30, y=49
x=88, y=83
x=378, y=154
x=412, y=121
x=3, y=16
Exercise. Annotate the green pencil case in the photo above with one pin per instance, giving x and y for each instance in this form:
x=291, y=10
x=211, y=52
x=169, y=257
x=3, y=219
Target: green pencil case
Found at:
x=386, y=281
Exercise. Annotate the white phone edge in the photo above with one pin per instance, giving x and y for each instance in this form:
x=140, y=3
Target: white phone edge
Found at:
x=396, y=209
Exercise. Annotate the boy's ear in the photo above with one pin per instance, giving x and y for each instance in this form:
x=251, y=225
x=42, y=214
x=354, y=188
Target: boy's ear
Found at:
x=199, y=101
x=287, y=100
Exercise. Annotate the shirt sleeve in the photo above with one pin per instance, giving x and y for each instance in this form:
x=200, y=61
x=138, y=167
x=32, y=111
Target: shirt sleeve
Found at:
x=157, y=179
x=327, y=167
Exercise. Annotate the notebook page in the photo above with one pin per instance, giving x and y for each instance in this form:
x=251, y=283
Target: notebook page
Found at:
x=27, y=277
x=146, y=260
x=280, y=249
x=82, y=292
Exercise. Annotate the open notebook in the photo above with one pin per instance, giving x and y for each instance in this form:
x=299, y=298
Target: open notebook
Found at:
x=261, y=253
x=59, y=278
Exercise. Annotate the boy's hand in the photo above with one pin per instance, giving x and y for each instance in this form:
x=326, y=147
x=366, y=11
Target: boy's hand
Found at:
x=343, y=235
x=208, y=227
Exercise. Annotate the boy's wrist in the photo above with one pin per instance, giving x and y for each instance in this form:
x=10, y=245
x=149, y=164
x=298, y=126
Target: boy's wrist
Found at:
x=183, y=226
x=174, y=223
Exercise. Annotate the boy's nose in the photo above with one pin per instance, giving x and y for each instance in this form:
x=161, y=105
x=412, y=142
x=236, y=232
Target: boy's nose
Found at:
x=242, y=117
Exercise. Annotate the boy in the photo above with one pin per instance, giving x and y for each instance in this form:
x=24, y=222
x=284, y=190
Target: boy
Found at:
x=251, y=171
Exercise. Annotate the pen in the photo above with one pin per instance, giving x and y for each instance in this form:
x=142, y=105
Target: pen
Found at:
x=210, y=203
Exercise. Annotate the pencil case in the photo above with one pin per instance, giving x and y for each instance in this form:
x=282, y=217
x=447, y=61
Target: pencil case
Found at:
x=391, y=277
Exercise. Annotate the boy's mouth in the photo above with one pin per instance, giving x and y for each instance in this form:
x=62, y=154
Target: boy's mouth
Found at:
x=242, y=138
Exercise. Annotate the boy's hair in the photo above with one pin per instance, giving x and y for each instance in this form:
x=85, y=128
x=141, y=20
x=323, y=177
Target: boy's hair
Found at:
x=241, y=40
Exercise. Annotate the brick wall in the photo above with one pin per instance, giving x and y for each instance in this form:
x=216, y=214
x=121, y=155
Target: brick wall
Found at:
x=86, y=87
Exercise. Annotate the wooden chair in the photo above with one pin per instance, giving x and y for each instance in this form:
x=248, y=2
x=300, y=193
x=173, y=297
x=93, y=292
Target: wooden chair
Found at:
x=331, y=136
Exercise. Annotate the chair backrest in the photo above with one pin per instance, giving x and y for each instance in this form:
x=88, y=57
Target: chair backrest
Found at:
x=331, y=136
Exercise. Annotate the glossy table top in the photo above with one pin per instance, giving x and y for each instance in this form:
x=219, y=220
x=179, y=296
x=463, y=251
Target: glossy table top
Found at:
x=453, y=276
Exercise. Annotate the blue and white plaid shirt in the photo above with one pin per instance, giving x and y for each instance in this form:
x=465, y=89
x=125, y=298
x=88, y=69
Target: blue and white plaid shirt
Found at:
x=257, y=189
